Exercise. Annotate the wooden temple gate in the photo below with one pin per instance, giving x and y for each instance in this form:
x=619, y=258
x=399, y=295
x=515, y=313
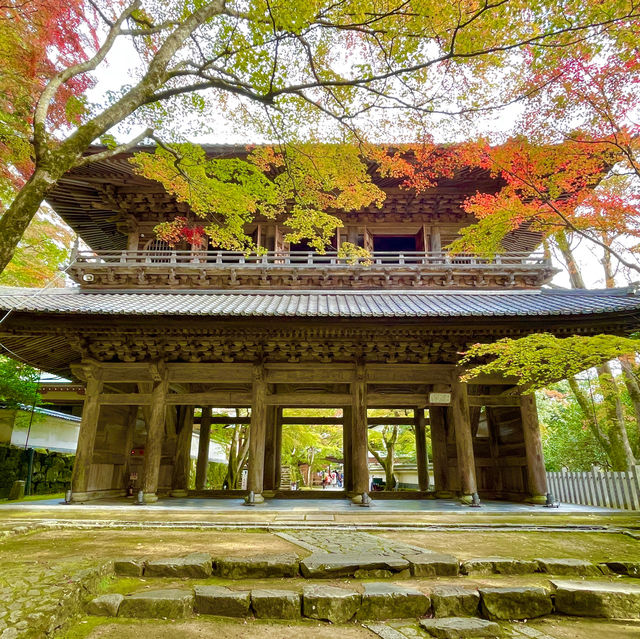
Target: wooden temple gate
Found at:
x=485, y=436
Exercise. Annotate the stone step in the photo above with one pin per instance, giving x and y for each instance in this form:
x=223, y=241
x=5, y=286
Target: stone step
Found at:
x=361, y=566
x=376, y=601
x=618, y=600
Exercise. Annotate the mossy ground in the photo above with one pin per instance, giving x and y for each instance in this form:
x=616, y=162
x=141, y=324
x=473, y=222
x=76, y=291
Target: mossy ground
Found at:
x=592, y=546
x=197, y=628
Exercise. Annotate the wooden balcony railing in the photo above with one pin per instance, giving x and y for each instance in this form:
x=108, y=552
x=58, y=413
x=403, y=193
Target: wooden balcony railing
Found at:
x=304, y=269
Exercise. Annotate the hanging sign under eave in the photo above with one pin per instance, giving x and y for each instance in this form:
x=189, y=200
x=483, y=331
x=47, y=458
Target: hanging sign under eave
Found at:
x=439, y=399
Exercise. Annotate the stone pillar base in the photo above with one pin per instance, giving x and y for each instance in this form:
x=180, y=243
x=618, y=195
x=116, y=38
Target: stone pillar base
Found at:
x=257, y=499
x=269, y=494
x=179, y=492
x=356, y=498
x=80, y=497
x=444, y=494
x=466, y=499
x=540, y=500
x=149, y=498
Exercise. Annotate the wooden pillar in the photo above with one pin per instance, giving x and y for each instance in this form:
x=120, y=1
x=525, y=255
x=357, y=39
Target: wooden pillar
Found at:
x=182, y=458
x=257, y=433
x=438, y=425
x=270, y=462
x=202, y=465
x=464, y=441
x=347, y=448
x=132, y=420
x=155, y=436
x=422, y=457
x=87, y=435
x=359, y=435
x=536, y=474
x=494, y=450
x=278, y=448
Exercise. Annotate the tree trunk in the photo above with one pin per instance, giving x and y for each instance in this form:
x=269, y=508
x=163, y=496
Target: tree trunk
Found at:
x=18, y=216
x=589, y=413
x=633, y=388
x=575, y=277
x=622, y=457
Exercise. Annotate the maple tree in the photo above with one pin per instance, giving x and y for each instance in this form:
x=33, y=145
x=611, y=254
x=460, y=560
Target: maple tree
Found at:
x=281, y=71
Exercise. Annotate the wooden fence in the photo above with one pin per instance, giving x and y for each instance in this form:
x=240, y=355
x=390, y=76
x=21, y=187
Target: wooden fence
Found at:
x=597, y=488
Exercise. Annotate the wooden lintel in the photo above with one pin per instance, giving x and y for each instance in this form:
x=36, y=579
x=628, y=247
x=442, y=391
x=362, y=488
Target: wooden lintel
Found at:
x=308, y=400
x=224, y=420
x=409, y=373
x=494, y=400
x=396, y=400
x=300, y=374
x=125, y=399
x=214, y=398
x=486, y=379
x=202, y=373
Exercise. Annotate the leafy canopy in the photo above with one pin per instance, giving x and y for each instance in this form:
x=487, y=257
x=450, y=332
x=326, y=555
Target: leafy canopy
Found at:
x=542, y=359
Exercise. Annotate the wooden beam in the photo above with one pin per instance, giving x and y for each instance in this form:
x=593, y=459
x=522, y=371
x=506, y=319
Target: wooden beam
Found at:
x=125, y=399
x=212, y=398
x=308, y=400
x=395, y=400
x=318, y=373
x=409, y=373
x=203, y=373
x=494, y=400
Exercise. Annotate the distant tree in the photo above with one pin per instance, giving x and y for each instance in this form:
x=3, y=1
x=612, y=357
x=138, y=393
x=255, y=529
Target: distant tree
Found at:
x=18, y=383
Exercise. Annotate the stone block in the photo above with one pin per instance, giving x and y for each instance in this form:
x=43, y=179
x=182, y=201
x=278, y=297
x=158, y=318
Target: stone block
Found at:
x=172, y=603
x=194, y=566
x=105, y=605
x=461, y=628
x=455, y=601
x=628, y=568
x=499, y=566
x=329, y=603
x=388, y=601
x=381, y=574
x=276, y=604
x=328, y=565
x=433, y=565
x=258, y=566
x=577, y=567
x=218, y=600
x=597, y=599
x=515, y=603
x=128, y=567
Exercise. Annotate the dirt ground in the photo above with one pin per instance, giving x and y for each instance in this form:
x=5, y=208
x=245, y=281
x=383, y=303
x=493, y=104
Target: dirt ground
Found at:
x=568, y=628
x=60, y=544
x=595, y=547
x=228, y=629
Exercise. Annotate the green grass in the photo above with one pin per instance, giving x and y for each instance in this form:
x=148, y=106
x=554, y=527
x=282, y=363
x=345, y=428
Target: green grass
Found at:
x=33, y=498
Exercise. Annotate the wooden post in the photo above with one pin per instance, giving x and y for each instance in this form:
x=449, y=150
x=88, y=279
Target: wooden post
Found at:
x=536, y=473
x=422, y=455
x=257, y=432
x=88, y=430
x=132, y=420
x=269, y=481
x=359, y=435
x=347, y=448
x=464, y=441
x=437, y=416
x=278, y=448
x=202, y=465
x=182, y=458
x=155, y=436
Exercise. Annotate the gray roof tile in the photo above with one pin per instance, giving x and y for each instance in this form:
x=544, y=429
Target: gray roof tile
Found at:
x=352, y=304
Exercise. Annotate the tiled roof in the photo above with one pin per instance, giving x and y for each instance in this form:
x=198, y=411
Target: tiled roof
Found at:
x=338, y=304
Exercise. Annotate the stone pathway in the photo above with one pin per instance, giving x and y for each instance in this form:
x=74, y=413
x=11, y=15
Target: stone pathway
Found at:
x=349, y=543
x=35, y=599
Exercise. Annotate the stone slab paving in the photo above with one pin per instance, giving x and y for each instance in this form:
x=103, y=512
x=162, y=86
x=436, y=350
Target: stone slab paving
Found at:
x=597, y=599
x=350, y=542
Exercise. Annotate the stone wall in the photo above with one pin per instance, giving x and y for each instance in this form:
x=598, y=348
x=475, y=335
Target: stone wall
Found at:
x=51, y=471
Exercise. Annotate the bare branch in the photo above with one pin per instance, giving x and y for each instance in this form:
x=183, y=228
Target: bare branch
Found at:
x=121, y=148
